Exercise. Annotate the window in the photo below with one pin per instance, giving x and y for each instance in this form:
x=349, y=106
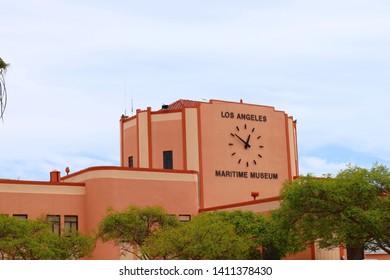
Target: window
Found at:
x=55, y=223
x=131, y=161
x=168, y=159
x=184, y=218
x=71, y=224
x=20, y=216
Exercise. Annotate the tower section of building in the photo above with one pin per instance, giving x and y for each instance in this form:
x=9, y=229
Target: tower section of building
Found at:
x=237, y=149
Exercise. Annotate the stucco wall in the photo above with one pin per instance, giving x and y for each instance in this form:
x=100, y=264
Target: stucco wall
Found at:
x=118, y=188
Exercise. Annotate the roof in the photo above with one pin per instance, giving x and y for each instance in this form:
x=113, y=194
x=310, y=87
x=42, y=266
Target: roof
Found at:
x=180, y=104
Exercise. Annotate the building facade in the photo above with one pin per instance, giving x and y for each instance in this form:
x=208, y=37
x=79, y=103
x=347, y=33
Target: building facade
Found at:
x=188, y=157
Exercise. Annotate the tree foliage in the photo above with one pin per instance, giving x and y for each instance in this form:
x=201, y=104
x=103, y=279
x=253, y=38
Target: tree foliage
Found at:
x=130, y=228
x=34, y=240
x=150, y=233
x=280, y=239
x=214, y=235
x=3, y=89
x=352, y=209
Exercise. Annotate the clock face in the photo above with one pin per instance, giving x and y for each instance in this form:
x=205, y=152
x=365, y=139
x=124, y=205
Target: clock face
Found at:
x=245, y=145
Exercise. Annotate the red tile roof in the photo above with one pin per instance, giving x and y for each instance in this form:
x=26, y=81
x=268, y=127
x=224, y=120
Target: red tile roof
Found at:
x=182, y=103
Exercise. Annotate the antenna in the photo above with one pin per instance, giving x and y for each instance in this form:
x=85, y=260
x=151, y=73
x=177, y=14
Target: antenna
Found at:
x=132, y=107
x=125, y=97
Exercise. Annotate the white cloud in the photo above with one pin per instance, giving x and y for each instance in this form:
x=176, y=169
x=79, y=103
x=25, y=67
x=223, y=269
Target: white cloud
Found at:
x=319, y=166
x=323, y=62
x=292, y=28
x=39, y=167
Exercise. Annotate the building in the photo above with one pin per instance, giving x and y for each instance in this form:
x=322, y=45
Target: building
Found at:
x=188, y=157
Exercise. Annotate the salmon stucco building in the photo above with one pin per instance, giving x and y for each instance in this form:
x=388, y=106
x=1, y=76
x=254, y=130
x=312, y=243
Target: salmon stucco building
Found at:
x=188, y=157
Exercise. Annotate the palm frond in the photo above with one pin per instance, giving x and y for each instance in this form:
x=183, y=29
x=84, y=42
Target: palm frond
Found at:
x=3, y=89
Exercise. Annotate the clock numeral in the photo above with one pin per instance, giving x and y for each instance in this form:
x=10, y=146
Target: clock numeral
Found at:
x=245, y=126
x=258, y=137
x=253, y=129
x=230, y=144
x=233, y=153
x=254, y=162
x=261, y=146
x=260, y=156
x=232, y=134
x=247, y=164
x=239, y=161
x=238, y=129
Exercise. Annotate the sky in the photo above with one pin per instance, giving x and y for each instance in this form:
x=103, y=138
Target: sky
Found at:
x=77, y=66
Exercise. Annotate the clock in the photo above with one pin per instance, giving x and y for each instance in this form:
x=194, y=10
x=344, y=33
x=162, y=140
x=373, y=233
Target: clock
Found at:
x=245, y=145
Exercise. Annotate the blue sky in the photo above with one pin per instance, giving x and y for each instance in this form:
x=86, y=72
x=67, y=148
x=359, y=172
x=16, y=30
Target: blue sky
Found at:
x=326, y=63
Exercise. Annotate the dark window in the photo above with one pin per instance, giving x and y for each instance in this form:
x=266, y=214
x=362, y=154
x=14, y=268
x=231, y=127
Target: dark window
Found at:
x=184, y=218
x=131, y=161
x=20, y=216
x=71, y=224
x=55, y=223
x=168, y=160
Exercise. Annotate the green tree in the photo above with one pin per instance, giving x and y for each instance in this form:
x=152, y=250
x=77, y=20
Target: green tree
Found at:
x=215, y=235
x=3, y=90
x=352, y=209
x=34, y=240
x=278, y=239
x=130, y=228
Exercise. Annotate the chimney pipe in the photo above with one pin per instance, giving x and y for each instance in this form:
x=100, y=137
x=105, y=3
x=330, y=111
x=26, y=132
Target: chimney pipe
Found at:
x=55, y=176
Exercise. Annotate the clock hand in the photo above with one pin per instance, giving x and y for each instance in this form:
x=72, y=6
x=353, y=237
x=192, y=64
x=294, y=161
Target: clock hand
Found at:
x=247, y=142
x=242, y=140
